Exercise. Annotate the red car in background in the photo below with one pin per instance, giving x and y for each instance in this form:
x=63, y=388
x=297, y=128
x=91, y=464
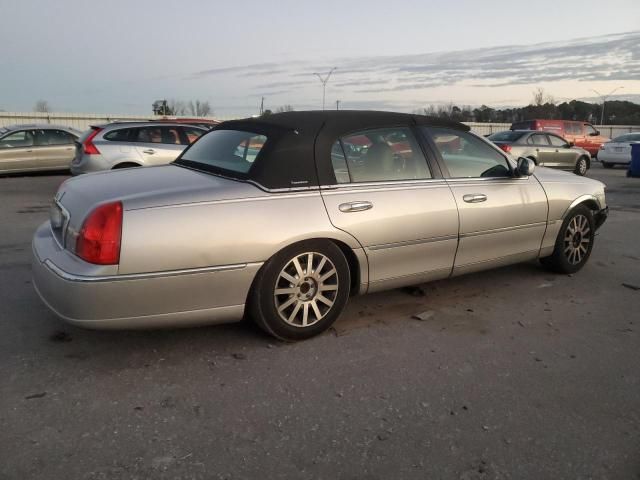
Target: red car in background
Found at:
x=581, y=134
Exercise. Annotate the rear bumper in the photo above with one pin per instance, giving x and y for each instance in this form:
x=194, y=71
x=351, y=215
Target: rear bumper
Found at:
x=613, y=158
x=158, y=299
x=89, y=164
x=601, y=216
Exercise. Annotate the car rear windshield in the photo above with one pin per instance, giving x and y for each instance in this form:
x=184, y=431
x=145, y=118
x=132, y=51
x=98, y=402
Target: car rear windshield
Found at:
x=510, y=136
x=224, y=151
x=629, y=137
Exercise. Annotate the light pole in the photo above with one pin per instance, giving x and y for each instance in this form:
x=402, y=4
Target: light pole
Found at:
x=604, y=99
x=324, y=82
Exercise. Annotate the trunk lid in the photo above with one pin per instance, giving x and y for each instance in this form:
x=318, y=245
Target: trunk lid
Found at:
x=138, y=188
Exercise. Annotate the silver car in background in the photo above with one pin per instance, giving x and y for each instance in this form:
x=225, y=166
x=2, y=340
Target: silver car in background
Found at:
x=283, y=218
x=132, y=144
x=544, y=148
x=618, y=150
x=28, y=148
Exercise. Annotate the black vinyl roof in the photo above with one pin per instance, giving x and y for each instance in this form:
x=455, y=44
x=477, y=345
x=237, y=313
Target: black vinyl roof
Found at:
x=356, y=119
x=297, y=153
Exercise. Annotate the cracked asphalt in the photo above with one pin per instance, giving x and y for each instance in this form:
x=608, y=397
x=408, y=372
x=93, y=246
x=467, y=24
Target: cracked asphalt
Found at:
x=515, y=373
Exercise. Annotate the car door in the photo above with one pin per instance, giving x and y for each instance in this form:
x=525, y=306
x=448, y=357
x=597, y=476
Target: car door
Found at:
x=574, y=134
x=544, y=151
x=54, y=149
x=592, y=139
x=158, y=144
x=502, y=217
x=564, y=156
x=17, y=151
x=387, y=197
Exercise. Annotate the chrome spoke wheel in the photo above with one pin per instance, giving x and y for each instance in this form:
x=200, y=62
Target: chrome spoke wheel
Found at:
x=306, y=289
x=577, y=238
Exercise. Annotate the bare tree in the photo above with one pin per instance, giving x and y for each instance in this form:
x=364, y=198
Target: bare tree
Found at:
x=177, y=107
x=200, y=108
x=284, y=108
x=41, y=106
x=541, y=98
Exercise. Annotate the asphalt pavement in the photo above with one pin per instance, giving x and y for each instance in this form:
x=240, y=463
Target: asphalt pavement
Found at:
x=515, y=373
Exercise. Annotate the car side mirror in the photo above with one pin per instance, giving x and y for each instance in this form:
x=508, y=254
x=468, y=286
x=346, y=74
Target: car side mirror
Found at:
x=569, y=145
x=526, y=166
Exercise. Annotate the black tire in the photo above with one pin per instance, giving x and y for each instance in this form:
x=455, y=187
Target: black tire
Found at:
x=607, y=165
x=125, y=165
x=582, y=165
x=563, y=259
x=264, y=301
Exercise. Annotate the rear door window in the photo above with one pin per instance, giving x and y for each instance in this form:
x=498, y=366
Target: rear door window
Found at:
x=157, y=134
x=119, y=135
x=379, y=155
x=58, y=137
x=538, y=139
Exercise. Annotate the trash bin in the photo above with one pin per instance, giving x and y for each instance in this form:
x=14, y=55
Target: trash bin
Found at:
x=634, y=166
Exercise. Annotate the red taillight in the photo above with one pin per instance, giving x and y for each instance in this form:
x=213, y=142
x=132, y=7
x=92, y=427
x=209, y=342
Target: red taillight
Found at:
x=505, y=147
x=99, y=238
x=89, y=147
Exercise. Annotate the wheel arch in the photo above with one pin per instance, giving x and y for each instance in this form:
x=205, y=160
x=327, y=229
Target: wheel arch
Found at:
x=588, y=200
x=356, y=259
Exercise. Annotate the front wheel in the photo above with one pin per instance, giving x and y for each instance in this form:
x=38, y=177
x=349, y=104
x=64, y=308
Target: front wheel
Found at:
x=301, y=290
x=574, y=242
x=582, y=165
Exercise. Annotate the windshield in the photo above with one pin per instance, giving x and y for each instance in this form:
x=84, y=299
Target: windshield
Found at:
x=225, y=150
x=629, y=137
x=510, y=136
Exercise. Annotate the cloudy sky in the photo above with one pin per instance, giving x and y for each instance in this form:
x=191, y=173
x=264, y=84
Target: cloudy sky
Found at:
x=119, y=56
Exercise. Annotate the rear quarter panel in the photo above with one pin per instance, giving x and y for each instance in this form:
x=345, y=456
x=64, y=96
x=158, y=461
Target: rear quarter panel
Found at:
x=223, y=232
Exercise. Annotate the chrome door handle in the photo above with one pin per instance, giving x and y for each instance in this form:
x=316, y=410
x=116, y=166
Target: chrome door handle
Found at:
x=355, y=206
x=150, y=151
x=475, y=198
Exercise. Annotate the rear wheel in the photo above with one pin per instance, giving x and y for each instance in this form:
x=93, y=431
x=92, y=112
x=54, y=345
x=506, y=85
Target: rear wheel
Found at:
x=582, y=165
x=574, y=243
x=607, y=165
x=301, y=291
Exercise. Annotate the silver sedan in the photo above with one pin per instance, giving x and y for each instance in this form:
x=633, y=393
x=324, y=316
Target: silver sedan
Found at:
x=545, y=149
x=283, y=218
x=30, y=148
